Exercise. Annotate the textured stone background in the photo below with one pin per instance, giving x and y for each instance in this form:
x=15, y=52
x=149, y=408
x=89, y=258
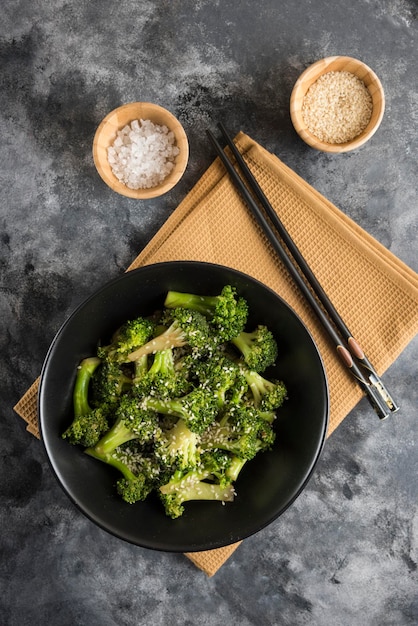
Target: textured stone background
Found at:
x=346, y=553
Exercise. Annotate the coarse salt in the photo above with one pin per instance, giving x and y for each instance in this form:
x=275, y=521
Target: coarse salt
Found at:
x=143, y=154
x=337, y=107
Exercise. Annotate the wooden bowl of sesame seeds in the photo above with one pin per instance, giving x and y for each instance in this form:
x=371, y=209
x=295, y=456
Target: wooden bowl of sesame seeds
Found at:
x=337, y=104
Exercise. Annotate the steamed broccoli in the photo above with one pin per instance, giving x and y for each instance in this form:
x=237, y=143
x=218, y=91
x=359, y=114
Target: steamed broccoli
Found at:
x=132, y=422
x=161, y=378
x=88, y=423
x=138, y=480
x=268, y=395
x=192, y=486
x=241, y=431
x=218, y=463
x=185, y=328
x=198, y=408
x=220, y=374
x=132, y=425
x=177, y=447
x=109, y=381
x=226, y=312
x=257, y=348
x=179, y=403
x=130, y=336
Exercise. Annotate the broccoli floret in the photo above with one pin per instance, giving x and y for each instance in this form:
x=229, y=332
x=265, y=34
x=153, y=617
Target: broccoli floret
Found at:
x=257, y=348
x=132, y=422
x=140, y=369
x=221, y=375
x=88, y=423
x=178, y=447
x=184, y=328
x=109, y=382
x=198, y=408
x=241, y=431
x=192, y=486
x=132, y=486
x=130, y=336
x=162, y=379
x=226, y=312
x=268, y=395
x=218, y=464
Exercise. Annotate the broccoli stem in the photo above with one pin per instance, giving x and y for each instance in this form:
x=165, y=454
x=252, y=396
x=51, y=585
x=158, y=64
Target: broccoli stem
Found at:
x=116, y=436
x=140, y=366
x=235, y=468
x=172, y=406
x=201, y=304
x=262, y=389
x=173, y=337
x=163, y=362
x=182, y=439
x=243, y=342
x=111, y=460
x=207, y=491
x=85, y=371
x=191, y=486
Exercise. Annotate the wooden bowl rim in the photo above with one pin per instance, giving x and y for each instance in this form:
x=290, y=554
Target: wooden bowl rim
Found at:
x=118, y=118
x=310, y=75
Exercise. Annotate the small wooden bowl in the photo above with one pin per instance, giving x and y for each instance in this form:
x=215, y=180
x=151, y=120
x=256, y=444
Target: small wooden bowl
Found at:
x=116, y=120
x=337, y=64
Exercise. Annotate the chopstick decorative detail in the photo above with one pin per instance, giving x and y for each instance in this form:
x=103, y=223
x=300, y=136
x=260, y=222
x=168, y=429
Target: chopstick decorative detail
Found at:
x=347, y=347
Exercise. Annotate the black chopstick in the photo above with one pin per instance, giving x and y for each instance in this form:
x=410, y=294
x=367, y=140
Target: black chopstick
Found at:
x=352, y=355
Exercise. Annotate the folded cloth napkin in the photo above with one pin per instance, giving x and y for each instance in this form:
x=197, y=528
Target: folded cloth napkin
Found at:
x=375, y=293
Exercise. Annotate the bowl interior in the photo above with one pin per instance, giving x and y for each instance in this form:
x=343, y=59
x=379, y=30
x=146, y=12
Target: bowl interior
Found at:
x=116, y=120
x=266, y=486
x=337, y=64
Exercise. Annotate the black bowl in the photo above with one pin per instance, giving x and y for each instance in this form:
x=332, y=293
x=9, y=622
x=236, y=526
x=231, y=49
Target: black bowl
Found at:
x=266, y=486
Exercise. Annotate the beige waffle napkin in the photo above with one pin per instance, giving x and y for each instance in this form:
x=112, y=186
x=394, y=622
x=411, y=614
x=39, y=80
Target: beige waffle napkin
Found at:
x=375, y=293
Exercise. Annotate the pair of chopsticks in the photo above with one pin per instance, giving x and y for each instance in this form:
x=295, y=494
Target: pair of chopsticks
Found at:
x=347, y=347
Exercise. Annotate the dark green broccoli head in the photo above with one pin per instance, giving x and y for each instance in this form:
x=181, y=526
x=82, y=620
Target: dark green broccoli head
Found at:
x=198, y=408
x=177, y=448
x=230, y=314
x=143, y=423
x=226, y=312
x=217, y=463
x=86, y=430
x=241, y=431
x=109, y=382
x=258, y=348
x=183, y=328
x=173, y=506
x=194, y=329
x=132, y=422
x=266, y=436
x=162, y=379
x=134, y=489
x=130, y=336
x=220, y=374
x=268, y=395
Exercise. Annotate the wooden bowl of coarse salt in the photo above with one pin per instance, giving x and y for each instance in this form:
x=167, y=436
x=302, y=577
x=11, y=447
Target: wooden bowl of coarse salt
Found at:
x=337, y=104
x=140, y=150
